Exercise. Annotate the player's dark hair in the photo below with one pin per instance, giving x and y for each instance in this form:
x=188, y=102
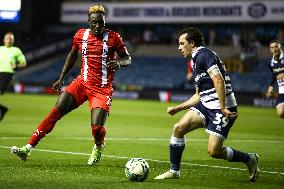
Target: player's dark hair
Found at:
x=274, y=41
x=193, y=34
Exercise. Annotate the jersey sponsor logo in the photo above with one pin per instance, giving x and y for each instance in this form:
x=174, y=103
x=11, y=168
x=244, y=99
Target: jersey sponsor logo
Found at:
x=198, y=77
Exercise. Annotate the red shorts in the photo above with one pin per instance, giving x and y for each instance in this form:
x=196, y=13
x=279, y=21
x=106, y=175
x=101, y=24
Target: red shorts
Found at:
x=81, y=93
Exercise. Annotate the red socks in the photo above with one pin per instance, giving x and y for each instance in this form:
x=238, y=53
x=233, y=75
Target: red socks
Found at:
x=45, y=126
x=99, y=133
x=48, y=124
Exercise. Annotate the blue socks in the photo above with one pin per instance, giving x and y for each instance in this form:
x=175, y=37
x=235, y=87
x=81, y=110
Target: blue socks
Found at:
x=236, y=156
x=176, y=149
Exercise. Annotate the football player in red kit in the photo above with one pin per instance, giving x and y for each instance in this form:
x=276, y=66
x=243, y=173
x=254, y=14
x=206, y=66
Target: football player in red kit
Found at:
x=98, y=47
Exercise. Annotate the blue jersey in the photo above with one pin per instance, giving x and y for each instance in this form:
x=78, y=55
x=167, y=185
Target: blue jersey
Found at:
x=204, y=60
x=277, y=67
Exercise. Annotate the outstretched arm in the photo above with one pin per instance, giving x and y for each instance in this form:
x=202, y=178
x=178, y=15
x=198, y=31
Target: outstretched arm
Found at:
x=269, y=91
x=185, y=105
x=69, y=63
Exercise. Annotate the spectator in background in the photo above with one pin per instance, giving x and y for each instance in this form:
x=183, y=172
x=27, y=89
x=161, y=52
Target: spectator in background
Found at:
x=10, y=58
x=248, y=54
x=212, y=36
x=236, y=39
x=148, y=36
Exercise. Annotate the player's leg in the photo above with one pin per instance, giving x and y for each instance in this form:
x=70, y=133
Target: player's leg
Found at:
x=217, y=150
x=100, y=107
x=65, y=103
x=189, y=122
x=218, y=129
x=99, y=117
x=3, y=111
x=5, y=79
x=71, y=98
x=280, y=111
x=98, y=120
x=280, y=106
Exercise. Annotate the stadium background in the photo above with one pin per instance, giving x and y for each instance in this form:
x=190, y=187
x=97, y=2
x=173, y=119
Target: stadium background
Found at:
x=239, y=31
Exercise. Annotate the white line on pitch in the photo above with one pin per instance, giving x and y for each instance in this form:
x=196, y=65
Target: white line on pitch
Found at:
x=146, y=139
x=153, y=160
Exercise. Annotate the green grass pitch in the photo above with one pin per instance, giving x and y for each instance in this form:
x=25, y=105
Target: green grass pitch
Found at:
x=135, y=128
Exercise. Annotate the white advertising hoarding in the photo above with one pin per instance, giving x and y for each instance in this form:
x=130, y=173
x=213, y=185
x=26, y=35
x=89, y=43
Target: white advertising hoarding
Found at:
x=180, y=12
x=10, y=10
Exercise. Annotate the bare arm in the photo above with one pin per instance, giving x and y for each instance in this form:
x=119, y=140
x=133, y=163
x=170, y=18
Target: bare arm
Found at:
x=185, y=105
x=69, y=63
x=269, y=92
x=219, y=85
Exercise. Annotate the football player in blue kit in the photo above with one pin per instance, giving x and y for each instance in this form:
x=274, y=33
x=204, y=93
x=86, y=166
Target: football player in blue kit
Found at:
x=277, y=69
x=213, y=107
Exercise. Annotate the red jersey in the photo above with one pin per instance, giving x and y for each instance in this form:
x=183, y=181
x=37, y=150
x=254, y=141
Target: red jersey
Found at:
x=96, y=52
x=190, y=66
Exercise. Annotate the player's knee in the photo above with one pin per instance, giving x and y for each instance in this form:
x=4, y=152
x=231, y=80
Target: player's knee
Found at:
x=178, y=129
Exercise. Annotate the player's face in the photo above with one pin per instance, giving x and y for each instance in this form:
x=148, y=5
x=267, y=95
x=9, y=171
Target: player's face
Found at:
x=8, y=40
x=184, y=47
x=275, y=49
x=97, y=23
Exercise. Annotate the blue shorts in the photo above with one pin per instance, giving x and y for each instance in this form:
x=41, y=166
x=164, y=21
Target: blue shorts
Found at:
x=216, y=123
x=280, y=100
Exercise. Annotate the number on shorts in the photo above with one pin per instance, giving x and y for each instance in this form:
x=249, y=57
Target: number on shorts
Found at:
x=220, y=118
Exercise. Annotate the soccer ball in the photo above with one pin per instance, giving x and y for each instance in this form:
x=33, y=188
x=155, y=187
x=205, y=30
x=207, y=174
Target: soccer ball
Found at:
x=137, y=169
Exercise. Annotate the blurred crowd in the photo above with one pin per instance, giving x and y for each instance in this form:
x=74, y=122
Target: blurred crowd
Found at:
x=248, y=38
x=215, y=35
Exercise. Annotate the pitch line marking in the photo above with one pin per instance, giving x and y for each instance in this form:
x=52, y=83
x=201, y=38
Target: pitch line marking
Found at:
x=146, y=139
x=153, y=160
